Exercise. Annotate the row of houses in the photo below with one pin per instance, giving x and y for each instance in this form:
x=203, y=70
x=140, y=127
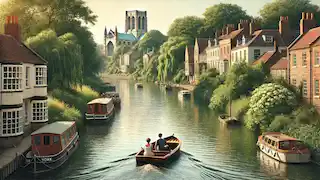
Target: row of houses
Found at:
x=23, y=87
x=293, y=55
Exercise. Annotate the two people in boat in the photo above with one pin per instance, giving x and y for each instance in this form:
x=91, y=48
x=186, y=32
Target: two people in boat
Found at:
x=159, y=145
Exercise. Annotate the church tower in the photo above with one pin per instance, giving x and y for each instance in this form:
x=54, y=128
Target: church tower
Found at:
x=136, y=22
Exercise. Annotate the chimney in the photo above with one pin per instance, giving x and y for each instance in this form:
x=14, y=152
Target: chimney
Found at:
x=275, y=45
x=253, y=27
x=229, y=28
x=11, y=27
x=284, y=27
x=307, y=22
x=217, y=34
x=244, y=24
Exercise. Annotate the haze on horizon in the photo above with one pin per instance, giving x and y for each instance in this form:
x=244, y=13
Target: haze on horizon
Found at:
x=161, y=14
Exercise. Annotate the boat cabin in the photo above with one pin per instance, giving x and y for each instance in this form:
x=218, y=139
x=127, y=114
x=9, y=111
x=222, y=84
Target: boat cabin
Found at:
x=283, y=142
x=111, y=95
x=100, y=106
x=53, y=138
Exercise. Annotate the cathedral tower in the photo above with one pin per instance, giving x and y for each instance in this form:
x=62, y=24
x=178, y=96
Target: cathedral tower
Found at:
x=136, y=22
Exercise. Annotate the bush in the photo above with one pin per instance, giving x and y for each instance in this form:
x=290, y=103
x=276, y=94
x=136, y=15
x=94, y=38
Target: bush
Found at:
x=71, y=114
x=208, y=83
x=280, y=122
x=267, y=101
x=58, y=110
x=220, y=98
x=239, y=107
x=310, y=134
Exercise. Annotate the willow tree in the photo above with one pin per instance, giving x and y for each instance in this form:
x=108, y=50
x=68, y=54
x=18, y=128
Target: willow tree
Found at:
x=64, y=57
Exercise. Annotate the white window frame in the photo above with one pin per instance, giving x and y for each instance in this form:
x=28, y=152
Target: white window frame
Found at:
x=304, y=88
x=41, y=75
x=27, y=76
x=15, y=78
x=268, y=39
x=304, y=59
x=39, y=111
x=317, y=58
x=8, y=120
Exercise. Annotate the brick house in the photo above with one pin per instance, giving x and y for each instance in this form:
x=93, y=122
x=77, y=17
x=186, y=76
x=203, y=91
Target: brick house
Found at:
x=199, y=56
x=188, y=63
x=304, y=64
x=23, y=100
x=250, y=48
x=280, y=68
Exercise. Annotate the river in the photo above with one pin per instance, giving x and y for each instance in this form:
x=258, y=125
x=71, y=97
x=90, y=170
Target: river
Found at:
x=210, y=151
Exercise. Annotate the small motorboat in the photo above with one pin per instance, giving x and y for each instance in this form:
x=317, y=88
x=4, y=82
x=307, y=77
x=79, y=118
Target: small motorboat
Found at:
x=138, y=85
x=184, y=94
x=114, y=96
x=161, y=157
x=229, y=120
x=284, y=148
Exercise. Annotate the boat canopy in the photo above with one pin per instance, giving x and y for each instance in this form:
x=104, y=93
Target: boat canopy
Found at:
x=277, y=136
x=55, y=128
x=100, y=101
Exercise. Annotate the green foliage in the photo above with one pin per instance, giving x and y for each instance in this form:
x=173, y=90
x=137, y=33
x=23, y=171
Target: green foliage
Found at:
x=188, y=26
x=63, y=55
x=220, y=98
x=221, y=14
x=58, y=110
x=239, y=107
x=171, y=58
x=267, y=101
x=271, y=12
x=152, y=39
x=280, y=122
x=310, y=134
x=180, y=77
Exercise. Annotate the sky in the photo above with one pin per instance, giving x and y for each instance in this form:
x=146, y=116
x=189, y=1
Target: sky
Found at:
x=161, y=13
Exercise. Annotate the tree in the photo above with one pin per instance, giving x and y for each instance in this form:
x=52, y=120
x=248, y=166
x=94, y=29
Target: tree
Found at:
x=188, y=26
x=152, y=39
x=63, y=55
x=221, y=14
x=271, y=12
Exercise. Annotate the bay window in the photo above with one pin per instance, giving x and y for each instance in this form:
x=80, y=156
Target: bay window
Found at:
x=41, y=75
x=12, y=77
x=39, y=111
x=11, y=122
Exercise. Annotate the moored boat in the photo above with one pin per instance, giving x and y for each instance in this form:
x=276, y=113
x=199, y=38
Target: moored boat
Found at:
x=168, y=87
x=114, y=96
x=229, y=120
x=52, y=145
x=138, y=85
x=161, y=157
x=100, y=109
x=283, y=148
x=184, y=94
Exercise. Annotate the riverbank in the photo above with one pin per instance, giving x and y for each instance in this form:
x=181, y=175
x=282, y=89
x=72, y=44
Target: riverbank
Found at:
x=109, y=77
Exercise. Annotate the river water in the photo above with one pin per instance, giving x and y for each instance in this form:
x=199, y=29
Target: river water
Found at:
x=210, y=151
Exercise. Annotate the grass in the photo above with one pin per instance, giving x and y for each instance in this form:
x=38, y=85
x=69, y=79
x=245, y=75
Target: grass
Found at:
x=239, y=107
x=58, y=111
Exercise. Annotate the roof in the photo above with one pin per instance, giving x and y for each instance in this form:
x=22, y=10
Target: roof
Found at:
x=306, y=39
x=265, y=57
x=54, y=128
x=277, y=136
x=126, y=37
x=202, y=43
x=231, y=35
x=281, y=64
x=100, y=101
x=12, y=51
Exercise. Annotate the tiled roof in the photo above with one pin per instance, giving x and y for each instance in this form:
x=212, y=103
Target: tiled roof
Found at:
x=306, y=39
x=12, y=51
x=265, y=57
x=126, y=37
x=191, y=53
x=202, y=43
x=232, y=35
x=281, y=64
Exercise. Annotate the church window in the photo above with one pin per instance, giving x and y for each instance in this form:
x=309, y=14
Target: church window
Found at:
x=139, y=22
x=133, y=23
x=142, y=22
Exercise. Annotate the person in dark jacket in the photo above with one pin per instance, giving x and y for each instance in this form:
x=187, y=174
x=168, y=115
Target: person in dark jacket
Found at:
x=161, y=144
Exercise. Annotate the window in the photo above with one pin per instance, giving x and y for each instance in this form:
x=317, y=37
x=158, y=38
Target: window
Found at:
x=236, y=56
x=37, y=140
x=294, y=81
x=55, y=139
x=304, y=88
x=304, y=59
x=294, y=60
x=284, y=145
x=245, y=55
x=12, y=77
x=240, y=55
x=63, y=142
x=316, y=87
x=272, y=143
x=256, y=53
x=104, y=108
x=41, y=75
x=12, y=122
x=96, y=108
x=46, y=140
x=26, y=108
x=267, y=39
x=27, y=76
x=39, y=111
x=317, y=58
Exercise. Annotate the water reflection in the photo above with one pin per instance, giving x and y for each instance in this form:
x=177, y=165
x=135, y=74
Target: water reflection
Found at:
x=273, y=167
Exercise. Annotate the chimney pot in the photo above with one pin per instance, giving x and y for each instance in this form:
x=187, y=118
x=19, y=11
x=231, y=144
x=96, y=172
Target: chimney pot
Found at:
x=307, y=15
x=303, y=15
x=311, y=16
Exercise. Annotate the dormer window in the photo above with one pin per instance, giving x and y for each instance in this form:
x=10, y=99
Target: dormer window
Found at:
x=215, y=42
x=243, y=40
x=267, y=39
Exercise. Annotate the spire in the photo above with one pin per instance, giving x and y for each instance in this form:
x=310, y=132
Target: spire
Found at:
x=105, y=32
x=116, y=31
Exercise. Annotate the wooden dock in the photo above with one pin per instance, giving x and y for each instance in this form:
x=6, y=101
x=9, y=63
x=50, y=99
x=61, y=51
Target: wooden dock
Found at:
x=12, y=158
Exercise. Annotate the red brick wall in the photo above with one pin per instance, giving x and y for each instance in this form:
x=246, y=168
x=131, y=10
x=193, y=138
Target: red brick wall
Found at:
x=316, y=75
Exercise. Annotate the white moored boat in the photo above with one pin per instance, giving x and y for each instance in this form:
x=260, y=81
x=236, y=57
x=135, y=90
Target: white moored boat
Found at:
x=283, y=148
x=100, y=109
x=184, y=94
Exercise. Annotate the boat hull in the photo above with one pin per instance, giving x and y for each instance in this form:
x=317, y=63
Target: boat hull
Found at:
x=161, y=158
x=45, y=163
x=99, y=118
x=283, y=156
x=184, y=96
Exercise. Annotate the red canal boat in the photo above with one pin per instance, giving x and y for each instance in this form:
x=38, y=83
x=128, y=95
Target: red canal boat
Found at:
x=100, y=109
x=52, y=145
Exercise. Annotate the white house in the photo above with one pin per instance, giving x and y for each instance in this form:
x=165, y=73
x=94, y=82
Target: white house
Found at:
x=23, y=83
x=213, y=54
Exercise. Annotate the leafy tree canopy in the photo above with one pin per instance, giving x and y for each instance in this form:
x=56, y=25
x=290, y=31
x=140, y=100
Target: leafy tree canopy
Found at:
x=152, y=39
x=188, y=26
x=271, y=12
